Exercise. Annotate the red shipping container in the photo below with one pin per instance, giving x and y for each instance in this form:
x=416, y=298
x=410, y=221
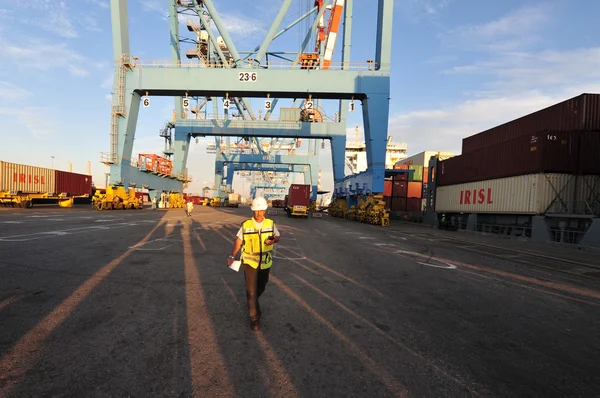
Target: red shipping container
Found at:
x=388, y=202
x=387, y=188
x=401, y=177
x=415, y=189
x=547, y=152
x=399, y=189
x=398, y=204
x=581, y=113
x=414, y=205
x=73, y=184
x=399, y=166
x=299, y=195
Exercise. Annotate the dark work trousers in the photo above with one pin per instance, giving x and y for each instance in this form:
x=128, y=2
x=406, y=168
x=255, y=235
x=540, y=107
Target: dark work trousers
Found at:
x=256, y=281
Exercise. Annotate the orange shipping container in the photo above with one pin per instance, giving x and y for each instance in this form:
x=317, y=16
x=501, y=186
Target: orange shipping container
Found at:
x=27, y=179
x=425, y=175
x=415, y=189
x=387, y=188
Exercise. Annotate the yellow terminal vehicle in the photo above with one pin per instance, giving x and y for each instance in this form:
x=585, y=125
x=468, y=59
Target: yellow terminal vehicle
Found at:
x=116, y=198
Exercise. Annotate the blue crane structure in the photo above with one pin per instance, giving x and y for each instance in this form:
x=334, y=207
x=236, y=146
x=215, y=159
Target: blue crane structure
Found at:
x=217, y=72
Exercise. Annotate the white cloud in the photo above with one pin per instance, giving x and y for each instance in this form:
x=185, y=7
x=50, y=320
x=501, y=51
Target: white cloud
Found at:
x=514, y=31
x=100, y=3
x=39, y=121
x=10, y=92
x=52, y=16
x=242, y=26
x=155, y=6
x=524, y=71
x=420, y=9
x=43, y=56
x=444, y=128
x=90, y=23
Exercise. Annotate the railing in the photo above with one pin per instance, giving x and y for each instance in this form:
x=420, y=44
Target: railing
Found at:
x=566, y=235
x=521, y=231
x=197, y=63
x=580, y=208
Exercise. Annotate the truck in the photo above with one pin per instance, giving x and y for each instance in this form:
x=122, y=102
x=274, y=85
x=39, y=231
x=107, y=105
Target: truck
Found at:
x=234, y=200
x=297, y=201
x=24, y=185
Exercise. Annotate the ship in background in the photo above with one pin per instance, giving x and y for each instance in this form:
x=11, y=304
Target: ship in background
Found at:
x=356, y=154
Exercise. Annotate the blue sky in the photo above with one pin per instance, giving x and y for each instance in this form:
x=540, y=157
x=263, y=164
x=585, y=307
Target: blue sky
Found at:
x=458, y=67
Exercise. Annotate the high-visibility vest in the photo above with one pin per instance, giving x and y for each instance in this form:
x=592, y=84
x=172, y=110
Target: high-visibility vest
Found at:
x=254, y=252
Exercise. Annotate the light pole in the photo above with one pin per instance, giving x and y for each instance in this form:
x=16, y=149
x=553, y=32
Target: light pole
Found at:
x=52, y=162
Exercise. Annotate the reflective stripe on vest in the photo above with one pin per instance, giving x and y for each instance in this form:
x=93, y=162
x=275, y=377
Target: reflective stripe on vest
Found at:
x=254, y=252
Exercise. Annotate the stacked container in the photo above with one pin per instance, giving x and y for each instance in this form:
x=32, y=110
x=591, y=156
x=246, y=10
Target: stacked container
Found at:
x=403, y=192
x=556, y=147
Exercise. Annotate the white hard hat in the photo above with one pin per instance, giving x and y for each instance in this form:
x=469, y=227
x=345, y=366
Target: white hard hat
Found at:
x=259, y=203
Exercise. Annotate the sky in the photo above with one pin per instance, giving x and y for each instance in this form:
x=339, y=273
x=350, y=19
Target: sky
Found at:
x=458, y=68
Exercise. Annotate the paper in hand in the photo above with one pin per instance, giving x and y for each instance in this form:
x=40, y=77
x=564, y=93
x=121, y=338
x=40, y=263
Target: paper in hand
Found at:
x=235, y=265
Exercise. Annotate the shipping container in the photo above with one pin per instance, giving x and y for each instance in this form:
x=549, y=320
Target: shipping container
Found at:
x=416, y=175
x=545, y=152
x=414, y=205
x=422, y=159
x=298, y=200
x=26, y=179
x=73, y=184
x=527, y=194
x=401, y=177
x=387, y=188
x=388, y=202
x=581, y=113
x=415, y=190
x=400, y=189
x=398, y=204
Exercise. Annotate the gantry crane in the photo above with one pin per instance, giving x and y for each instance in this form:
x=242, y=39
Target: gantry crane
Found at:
x=215, y=71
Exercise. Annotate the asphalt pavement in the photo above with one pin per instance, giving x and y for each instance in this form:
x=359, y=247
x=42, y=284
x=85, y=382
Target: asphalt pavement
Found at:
x=141, y=303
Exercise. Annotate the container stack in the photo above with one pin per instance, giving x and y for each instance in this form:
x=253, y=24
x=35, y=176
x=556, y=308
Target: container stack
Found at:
x=404, y=192
x=508, y=160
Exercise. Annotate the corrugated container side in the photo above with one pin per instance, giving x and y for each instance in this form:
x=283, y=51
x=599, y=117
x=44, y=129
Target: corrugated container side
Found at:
x=399, y=189
x=580, y=113
x=422, y=158
x=398, y=204
x=299, y=195
x=73, y=184
x=388, y=202
x=27, y=179
x=526, y=194
x=414, y=205
x=401, y=177
x=417, y=174
x=546, y=152
x=387, y=188
x=415, y=190
x=589, y=147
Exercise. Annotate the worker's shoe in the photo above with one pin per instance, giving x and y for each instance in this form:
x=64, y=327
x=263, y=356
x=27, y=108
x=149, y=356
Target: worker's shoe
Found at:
x=255, y=325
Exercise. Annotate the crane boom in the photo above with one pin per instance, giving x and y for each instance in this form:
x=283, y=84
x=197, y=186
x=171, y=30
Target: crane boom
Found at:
x=334, y=25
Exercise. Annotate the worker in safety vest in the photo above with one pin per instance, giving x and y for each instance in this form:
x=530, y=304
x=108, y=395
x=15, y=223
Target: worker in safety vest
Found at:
x=190, y=207
x=256, y=238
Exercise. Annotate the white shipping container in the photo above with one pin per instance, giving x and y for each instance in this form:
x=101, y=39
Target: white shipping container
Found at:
x=16, y=177
x=527, y=194
x=422, y=159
